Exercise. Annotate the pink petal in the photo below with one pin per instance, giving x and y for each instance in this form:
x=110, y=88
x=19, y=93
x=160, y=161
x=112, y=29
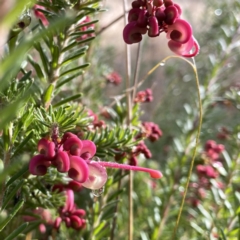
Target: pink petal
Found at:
x=76, y=222
x=61, y=161
x=142, y=19
x=133, y=14
x=180, y=31
x=171, y=13
x=57, y=222
x=97, y=176
x=69, y=204
x=132, y=33
x=73, y=145
x=181, y=49
x=46, y=147
x=153, y=30
x=38, y=165
x=80, y=212
x=88, y=149
x=78, y=169
x=74, y=185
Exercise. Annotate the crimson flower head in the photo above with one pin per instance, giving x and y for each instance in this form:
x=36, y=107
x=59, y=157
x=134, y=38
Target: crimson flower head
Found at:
x=157, y=16
x=73, y=156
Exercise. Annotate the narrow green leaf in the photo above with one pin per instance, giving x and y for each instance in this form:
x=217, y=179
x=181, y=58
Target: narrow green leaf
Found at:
x=74, y=57
x=17, y=175
x=11, y=195
x=44, y=57
x=37, y=68
x=80, y=33
x=9, y=112
x=99, y=228
x=11, y=169
x=48, y=94
x=61, y=83
x=18, y=55
x=17, y=231
x=66, y=100
x=87, y=23
x=223, y=235
x=75, y=69
x=26, y=76
x=22, y=144
x=16, y=208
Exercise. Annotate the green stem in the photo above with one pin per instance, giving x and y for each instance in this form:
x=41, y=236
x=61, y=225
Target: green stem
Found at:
x=194, y=152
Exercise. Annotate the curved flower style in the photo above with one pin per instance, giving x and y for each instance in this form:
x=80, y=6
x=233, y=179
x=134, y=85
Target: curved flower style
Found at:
x=161, y=16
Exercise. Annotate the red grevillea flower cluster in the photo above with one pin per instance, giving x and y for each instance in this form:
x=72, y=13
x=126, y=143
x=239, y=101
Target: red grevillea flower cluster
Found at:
x=96, y=123
x=144, y=96
x=207, y=171
x=85, y=28
x=114, y=78
x=151, y=131
x=213, y=150
x=43, y=214
x=73, y=156
x=70, y=214
x=157, y=16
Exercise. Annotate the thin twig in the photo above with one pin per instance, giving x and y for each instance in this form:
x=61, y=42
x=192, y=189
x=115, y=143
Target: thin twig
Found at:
x=136, y=73
x=129, y=116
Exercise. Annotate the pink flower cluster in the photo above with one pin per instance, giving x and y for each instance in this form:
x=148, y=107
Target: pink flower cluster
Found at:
x=96, y=123
x=157, y=16
x=70, y=214
x=144, y=96
x=73, y=156
x=85, y=28
x=206, y=172
x=152, y=131
x=212, y=150
x=114, y=78
x=44, y=215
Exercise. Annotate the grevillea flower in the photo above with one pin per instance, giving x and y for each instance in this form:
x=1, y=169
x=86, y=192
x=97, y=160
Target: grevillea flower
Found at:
x=43, y=214
x=97, y=176
x=79, y=170
x=132, y=33
x=46, y=147
x=74, y=156
x=61, y=161
x=88, y=149
x=114, y=78
x=144, y=96
x=70, y=214
x=39, y=165
x=155, y=17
